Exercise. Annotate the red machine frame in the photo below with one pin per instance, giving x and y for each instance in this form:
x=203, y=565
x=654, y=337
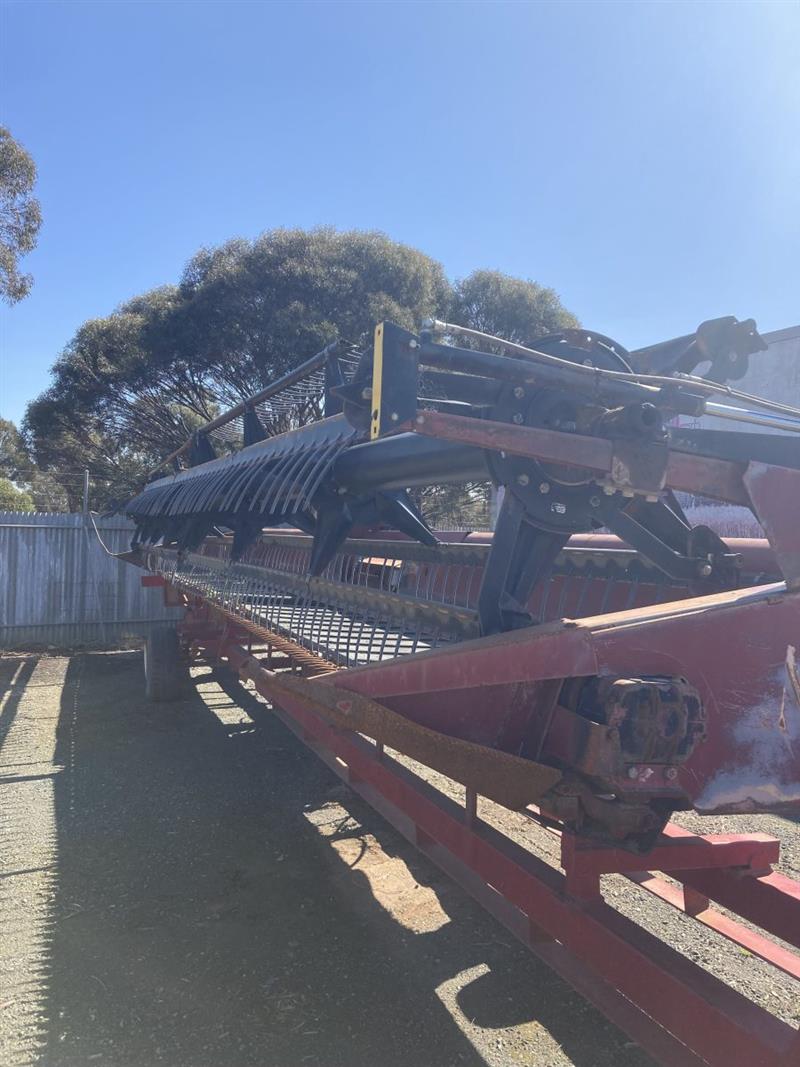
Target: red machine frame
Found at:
x=678, y=1012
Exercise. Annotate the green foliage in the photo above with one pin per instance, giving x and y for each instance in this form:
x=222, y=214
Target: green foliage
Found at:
x=250, y=311
x=20, y=216
x=131, y=387
x=17, y=467
x=13, y=456
x=13, y=499
x=511, y=308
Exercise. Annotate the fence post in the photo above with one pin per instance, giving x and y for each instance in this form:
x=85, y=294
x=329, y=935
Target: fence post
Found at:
x=89, y=551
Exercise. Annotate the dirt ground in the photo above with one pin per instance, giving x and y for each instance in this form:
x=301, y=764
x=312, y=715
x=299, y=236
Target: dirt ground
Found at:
x=188, y=885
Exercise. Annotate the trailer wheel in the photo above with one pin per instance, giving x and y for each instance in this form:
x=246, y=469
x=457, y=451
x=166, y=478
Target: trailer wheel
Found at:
x=165, y=671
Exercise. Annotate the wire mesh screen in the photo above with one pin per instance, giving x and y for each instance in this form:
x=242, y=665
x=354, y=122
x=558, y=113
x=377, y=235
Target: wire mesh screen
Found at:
x=372, y=602
x=378, y=599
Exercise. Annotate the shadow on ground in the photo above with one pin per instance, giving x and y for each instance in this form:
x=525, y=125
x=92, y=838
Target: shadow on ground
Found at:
x=201, y=919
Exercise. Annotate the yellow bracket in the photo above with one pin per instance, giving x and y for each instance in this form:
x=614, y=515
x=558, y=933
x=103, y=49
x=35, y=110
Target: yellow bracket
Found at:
x=377, y=383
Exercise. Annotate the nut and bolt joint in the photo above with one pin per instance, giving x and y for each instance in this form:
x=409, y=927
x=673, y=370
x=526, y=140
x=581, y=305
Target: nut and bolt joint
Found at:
x=522, y=479
x=544, y=487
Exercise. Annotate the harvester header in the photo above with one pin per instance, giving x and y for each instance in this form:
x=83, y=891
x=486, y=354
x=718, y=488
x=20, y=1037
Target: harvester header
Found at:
x=598, y=662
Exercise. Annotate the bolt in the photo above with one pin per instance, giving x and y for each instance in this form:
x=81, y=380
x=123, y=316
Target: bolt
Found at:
x=609, y=490
x=544, y=487
x=366, y=394
x=394, y=417
x=502, y=455
x=517, y=418
x=704, y=569
x=633, y=772
x=522, y=479
x=519, y=392
x=594, y=501
x=420, y=420
x=413, y=344
x=671, y=773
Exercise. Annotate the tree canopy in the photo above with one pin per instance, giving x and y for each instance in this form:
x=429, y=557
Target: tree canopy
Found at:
x=511, y=308
x=20, y=216
x=131, y=387
x=14, y=499
x=23, y=487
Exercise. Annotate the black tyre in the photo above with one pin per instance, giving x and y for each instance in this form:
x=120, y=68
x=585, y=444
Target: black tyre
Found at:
x=166, y=673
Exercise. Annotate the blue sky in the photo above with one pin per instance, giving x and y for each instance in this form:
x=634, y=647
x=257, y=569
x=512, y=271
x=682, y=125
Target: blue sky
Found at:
x=643, y=159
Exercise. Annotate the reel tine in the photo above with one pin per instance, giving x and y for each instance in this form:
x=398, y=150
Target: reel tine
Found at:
x=283, y=485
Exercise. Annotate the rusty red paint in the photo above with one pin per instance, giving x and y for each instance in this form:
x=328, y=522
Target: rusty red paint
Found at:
x=592, y=453
x=716, y=478
x=508, y=779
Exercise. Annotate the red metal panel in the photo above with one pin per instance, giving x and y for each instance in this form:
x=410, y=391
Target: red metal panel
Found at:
x=697, y=906
x=731, y=646
x=676, y=851
x=771, y=901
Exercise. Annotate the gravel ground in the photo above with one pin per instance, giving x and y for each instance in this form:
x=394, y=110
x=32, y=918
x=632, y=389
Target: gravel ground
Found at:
x=188, y=885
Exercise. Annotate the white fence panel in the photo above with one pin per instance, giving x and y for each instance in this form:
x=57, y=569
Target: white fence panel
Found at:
x=59, y=587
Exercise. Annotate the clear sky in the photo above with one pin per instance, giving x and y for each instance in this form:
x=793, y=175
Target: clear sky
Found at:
x=641, y=158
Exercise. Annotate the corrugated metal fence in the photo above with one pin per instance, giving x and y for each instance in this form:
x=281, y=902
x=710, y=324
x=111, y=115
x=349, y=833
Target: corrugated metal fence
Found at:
x=59, y=587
